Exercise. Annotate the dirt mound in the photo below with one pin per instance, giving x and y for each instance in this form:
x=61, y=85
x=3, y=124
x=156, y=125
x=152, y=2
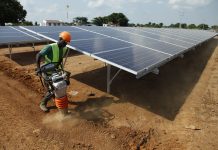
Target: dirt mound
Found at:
x=24, y=75
x=37, y=131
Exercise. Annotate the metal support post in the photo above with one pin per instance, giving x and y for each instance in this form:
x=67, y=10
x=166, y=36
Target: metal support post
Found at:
x=10, y=50
x=33, y=46
x=109, y=80
x=66, y=56
x=156, y=71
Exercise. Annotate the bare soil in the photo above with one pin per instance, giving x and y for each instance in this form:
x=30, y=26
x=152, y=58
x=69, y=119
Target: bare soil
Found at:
x=177, y=109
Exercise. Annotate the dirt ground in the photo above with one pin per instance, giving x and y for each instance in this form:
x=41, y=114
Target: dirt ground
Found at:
x=177, y=109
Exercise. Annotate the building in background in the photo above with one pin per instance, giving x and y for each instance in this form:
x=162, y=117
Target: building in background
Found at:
x=52, y=23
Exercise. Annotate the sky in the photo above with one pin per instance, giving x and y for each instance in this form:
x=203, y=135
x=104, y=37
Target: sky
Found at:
x=137, y=11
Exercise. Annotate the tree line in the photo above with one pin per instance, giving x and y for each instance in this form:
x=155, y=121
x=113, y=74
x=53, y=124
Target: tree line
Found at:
x=177, y=25
x=119, y=19
x=116, y=19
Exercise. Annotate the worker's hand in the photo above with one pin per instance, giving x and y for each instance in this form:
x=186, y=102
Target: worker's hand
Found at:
x=38, y=71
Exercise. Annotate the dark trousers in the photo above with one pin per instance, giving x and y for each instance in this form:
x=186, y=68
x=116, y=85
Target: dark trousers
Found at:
x=48, y=95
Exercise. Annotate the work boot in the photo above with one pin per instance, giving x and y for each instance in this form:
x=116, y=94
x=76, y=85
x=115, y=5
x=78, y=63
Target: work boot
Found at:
x=43, y=106
x=43, y=103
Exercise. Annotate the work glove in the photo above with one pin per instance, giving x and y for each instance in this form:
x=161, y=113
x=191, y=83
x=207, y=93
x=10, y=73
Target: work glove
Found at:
x=38, y=72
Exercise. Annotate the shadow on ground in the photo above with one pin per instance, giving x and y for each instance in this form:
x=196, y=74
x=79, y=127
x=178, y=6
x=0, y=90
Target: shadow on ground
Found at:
x=162, y=94
x=92, y=109
x=24, y=58
x=29, y=58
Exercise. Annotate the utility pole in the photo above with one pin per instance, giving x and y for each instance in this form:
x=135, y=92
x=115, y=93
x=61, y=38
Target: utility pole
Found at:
x=181, y=15
x=67, y=13
x=204, y=21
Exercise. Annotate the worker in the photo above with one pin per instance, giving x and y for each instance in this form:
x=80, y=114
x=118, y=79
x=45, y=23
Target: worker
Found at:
x=52, y=53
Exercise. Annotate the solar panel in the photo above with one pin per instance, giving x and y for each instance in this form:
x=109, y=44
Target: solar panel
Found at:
x=158, y=37
x=10, y=35
x=136, y=50
x=194, y=35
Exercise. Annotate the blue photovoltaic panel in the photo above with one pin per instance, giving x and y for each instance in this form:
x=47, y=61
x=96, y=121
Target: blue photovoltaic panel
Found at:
x=134, y=58
x=196, y=35
x=136, y=50
x=138, y=40
x=85, y=41
x=99, y=45
x=53, y=32
x=171, y=35
x=9, y=35
x=157, y=37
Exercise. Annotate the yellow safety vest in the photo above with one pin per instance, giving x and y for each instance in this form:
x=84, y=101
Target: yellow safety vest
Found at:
x=56, y=56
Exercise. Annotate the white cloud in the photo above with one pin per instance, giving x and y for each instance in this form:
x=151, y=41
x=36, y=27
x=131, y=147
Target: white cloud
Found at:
x=141, y=1
x=113, y=3
x=188, y=4
x=100, y=3
x=95, y=3
x=26, y=3
x=160, y=2
x=53, y=8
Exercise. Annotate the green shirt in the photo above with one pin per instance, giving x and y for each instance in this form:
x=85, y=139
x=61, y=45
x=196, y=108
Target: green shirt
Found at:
x=47, y=50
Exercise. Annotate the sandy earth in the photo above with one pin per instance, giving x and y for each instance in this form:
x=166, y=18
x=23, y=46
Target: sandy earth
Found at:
x=177, y=109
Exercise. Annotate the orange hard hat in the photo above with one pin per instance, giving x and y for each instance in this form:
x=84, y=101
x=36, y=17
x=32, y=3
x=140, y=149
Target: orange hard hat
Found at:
x=65, y=36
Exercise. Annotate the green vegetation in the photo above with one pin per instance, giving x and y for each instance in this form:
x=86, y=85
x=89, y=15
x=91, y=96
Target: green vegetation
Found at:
x=192, y=26
x=24, y=23
x=99, y=21
x=116, y=19
x=80, y=21
x=11, y=11
x=215, y=27
x=203, y=26
x=177, y=25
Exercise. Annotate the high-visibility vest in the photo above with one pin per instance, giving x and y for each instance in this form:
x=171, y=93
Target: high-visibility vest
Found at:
x=56, y=56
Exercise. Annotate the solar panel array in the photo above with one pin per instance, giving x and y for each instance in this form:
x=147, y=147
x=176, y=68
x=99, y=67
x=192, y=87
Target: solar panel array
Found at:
x=13, y=34
x=136, y=50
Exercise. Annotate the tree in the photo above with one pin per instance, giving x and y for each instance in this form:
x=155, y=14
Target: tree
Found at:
x=24, y=23
x=177, y=25
x=99, y=21
x=149, y=23
x=118, y=19
x=192, y=26
x=184, y=25
x=157, y=26
x=131, y=25
x=80, y=20
x=172, y=26
x=27, y=23
x=215, y=27
x=153, y=24
x=161, y=25
x=11, y=11
x=203, y=26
